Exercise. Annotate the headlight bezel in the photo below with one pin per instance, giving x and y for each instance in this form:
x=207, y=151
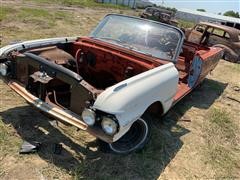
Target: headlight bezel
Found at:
x=89, y=113
x=99, y=120
x=112, y=120
x=4, y=68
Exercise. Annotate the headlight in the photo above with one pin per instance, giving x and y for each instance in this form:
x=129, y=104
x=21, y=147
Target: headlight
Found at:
x=88, y=116
x=3, y=69
x=109, y=126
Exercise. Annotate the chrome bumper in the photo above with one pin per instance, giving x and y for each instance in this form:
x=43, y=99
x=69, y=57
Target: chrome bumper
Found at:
x=61, y=114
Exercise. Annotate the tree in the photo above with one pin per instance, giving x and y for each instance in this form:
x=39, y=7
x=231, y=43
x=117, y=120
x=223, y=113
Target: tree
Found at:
x=201, y=10
x=232, y=14
x=168, y=8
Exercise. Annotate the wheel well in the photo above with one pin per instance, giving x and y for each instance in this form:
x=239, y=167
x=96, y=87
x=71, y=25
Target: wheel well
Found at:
x=225, y=48
x=155, y=108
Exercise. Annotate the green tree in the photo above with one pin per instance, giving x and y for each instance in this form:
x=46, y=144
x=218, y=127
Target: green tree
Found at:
x=232, y=14
x=168, y=8
x=201, y=10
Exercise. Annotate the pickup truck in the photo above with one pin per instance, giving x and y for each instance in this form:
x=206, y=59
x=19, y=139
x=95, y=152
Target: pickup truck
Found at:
x=108, y=83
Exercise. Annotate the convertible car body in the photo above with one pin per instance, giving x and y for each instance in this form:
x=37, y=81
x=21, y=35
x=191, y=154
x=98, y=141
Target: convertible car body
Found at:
x=107, y=83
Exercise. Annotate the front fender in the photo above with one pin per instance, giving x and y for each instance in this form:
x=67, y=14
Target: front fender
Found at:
x=129, y=99
x=4, y=51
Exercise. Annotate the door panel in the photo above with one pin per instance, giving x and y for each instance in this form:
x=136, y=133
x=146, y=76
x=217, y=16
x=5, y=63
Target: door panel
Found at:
x=195, y=71
x=195, y=37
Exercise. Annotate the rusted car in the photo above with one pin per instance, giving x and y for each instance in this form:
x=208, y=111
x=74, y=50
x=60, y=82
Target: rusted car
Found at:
x=210, y=34
x=160, y=15
x=107, y=83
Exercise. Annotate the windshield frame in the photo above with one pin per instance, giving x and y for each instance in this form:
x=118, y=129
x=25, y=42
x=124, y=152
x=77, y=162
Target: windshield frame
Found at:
x=105, y=20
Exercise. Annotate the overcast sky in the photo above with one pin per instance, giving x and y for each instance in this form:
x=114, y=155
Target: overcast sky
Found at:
x=214, y=6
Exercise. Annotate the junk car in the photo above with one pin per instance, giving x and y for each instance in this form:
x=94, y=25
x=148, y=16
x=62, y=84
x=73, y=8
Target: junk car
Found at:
x=108, y=83
x=158, y=14
x=210, y=34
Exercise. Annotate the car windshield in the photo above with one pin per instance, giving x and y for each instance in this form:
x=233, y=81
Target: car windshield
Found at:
x=147, y=37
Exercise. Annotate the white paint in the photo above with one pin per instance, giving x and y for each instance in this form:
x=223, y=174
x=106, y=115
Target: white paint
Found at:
x=34, y=43
x=128, y=99
x=136, y=94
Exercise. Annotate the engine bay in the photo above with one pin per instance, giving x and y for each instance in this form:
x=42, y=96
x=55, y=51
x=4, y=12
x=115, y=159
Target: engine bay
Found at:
x=97, y=67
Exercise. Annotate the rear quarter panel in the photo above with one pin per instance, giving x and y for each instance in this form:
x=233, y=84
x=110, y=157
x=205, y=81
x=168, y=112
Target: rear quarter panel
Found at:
x=210, y=60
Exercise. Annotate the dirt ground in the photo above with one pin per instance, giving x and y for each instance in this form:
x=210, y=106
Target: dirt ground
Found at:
x=198, y=139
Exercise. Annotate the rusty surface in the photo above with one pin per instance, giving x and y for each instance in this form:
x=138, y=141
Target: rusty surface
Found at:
x=65, y=99
x=158, y=14
x=79, y=97
x=54, y=54
x=231, y=30
x=41, y=77
x=61, y=114
x=210, y=34
x=21, y=70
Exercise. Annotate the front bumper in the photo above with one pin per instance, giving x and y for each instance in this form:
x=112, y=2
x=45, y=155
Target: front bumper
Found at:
x=57, y=112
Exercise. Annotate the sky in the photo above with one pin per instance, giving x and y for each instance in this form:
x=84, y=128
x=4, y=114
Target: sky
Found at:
x=214, y=6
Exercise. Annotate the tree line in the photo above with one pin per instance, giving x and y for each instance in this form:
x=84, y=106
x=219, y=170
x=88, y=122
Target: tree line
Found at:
x=227, y=13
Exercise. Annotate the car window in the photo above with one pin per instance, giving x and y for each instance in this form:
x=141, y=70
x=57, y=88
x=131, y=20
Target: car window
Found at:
x=156, y=14
x=200, y=28
x=149, y=10
x=227, y=36
x=209, y=30
x=218, y=32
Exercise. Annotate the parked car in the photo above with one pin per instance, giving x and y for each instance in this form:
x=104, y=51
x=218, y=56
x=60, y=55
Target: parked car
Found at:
x=160, y=15
x=210, y=34
x=107, y=83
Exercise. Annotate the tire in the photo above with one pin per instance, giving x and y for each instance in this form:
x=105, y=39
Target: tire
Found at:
x=229, y=54
x=229, y=57
x=134, y=140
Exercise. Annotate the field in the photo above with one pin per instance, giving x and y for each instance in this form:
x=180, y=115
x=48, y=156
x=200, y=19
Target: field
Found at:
x=198, y=139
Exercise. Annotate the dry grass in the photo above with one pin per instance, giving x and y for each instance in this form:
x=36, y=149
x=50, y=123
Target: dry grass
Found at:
x=46, y=20
x=80, y=3
x=221, y=137
x=205, y=147
x=185, y=24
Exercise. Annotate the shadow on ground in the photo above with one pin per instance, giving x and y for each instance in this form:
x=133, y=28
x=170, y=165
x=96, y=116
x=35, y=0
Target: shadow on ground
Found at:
x=86, y=163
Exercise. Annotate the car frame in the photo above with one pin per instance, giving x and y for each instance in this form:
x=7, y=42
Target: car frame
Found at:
x=61, y=76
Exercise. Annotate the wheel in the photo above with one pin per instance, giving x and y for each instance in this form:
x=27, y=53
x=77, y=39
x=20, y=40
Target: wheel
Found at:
x=227, y=56
x=134, y=140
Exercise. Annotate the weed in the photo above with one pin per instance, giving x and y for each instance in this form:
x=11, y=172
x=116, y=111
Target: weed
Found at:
x=221, y=141
x=8, y=142
x=221, y=120
x=33, y=12
x=185, y=24
x=82, y=3
x=236, y=67
x=3, y=133
x=4, y=12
